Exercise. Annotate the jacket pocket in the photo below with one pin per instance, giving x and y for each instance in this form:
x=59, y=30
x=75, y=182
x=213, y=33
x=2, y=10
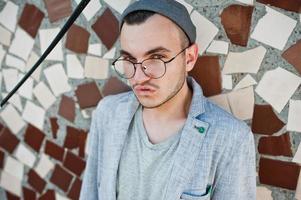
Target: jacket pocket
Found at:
x=196, y=194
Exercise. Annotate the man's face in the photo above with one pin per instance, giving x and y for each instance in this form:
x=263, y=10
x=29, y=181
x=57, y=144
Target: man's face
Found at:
x=157, y=37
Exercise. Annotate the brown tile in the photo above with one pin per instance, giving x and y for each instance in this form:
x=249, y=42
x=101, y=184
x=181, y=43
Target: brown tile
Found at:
x=31, y=19
x=207, y=73
x=35, y=181
x=278, y=173
x=54, y=150
x=54, y=126
x=61, y=178
x=77, y=39
x=265, y=121
x=114, y=86
x=82, y=143
x=8, y=140
x=76, y=138
x=2, y=156
x=74, y=163
x=34, y=137
x=28, y=194
x=292, y=56
x=275, y=145
x=48, y=195
x=58, y=9
x=67, y=108
x=11, y=196
x=74, y=192
x=106, y=28
x=290, y=5
x=88, y=95
x=236, y=20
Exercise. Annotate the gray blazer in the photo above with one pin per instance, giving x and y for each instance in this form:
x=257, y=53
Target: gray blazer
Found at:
x=215, y=158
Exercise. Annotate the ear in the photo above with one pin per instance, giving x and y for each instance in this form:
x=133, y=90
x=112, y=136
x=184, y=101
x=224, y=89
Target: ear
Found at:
x=192, y=54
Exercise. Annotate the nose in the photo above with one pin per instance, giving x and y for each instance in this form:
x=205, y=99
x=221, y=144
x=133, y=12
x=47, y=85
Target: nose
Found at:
x=140, y=76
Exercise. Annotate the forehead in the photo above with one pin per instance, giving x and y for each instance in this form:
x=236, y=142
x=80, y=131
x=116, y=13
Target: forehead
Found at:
x=155, y=31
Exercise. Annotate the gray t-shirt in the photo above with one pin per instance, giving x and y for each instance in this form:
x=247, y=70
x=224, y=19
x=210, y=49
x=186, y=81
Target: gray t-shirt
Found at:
x=144, y=168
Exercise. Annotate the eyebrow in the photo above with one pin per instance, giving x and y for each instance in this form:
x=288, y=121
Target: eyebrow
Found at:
x=155, y=50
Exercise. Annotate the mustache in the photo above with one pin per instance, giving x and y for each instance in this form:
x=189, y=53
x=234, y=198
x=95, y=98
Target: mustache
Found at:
x=147, y=84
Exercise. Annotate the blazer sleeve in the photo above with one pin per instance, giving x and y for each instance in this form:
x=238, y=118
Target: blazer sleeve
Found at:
x=89, y=189
x=237, y=180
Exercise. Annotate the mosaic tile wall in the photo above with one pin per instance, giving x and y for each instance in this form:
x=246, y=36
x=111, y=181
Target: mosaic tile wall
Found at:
x=249, y=64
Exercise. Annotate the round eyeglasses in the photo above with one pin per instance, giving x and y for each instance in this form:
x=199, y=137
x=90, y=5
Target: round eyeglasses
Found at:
x=152, y=67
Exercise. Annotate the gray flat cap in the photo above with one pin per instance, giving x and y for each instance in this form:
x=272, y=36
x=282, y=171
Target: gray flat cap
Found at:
x=171, y=9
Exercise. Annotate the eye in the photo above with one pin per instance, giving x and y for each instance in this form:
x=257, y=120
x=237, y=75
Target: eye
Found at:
x=157, y=56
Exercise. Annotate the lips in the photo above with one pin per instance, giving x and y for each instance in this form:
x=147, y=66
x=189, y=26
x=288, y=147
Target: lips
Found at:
x=144, y=90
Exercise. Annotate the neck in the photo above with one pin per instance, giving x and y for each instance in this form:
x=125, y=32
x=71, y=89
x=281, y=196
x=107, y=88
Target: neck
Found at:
x=174, y=109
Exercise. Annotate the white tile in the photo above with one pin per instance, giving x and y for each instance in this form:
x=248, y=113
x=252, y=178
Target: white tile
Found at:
x=297, y=156
x=10, y=11
x=22, y=44
x=248, y=61
x=12, y=119
x=26, y=89
x=5, y=38
x=227, y=82
x=34, y=115
x=14, y=167
x=96, y=68
x=263, y=193
x=222, y=101
x=57, y=79
x=110, y=54
x=74, y=67
x=44, y=95
x=248, y=2
x=33, y=58
x=15, y=62
x=246, y=81
x=11, y=183
x=187, y=5
x=46, y=37
x=206, y=31
x=274, y=29
x=92, y=8
x=15, y=100
x=44, y=166
x=94, y=49
x=294, y=116
x=60, y=197
x=10, y=77
x=218, y=47
x=24, y=155
x=277, y=86
x=119, y=6
x=242, y=103
x=2, y=54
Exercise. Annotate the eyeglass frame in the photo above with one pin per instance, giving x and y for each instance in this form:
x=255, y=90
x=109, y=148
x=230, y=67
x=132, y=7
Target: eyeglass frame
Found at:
x=135, y=63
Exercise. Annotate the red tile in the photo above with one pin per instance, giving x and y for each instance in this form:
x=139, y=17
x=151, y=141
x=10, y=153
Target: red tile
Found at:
x=74, y=163
x=35, y=181
x=76, y=138
x=88, y=95
x=107, y=28
x=278, y=173
x=75, y=189
x=34, y=137
x=61, y=178
x=54, y=150
x=8, y=140
x=2, y=155
x=54, y=126
x=236, y=20
x=290, y=5
x=31, y=19
x=207, y=73
x=82, y=143
x=275, y=145
x=48, y=195
x=265, y=121
x=67, y=108
x=28, y=194
x=11, y=196
x=58, y=9
x=114, y=86
x=292, y=56
x=77, y=39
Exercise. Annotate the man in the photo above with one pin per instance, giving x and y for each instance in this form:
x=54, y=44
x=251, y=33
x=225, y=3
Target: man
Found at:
x=164, y=139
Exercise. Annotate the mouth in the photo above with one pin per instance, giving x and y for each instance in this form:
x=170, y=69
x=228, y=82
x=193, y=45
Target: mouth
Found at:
x=144, y=90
